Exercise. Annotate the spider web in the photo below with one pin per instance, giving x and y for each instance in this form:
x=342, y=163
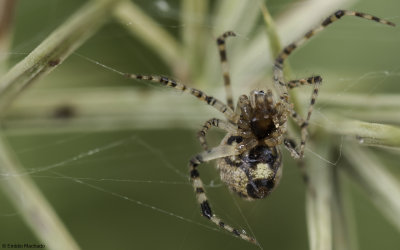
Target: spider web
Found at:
x=125, y=188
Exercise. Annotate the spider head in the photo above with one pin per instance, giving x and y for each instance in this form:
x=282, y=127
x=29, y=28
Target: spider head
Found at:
x=261, y=116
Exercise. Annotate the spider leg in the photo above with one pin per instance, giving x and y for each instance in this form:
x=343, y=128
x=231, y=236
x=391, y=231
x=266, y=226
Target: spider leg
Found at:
x=214, y=122
x=214, y=102
x=284, y=54
x=225, y=68
x=290, y=145
x=332, y=18
x=287, y=51
x=313, y=80
x=299, y=82
x=214, y=153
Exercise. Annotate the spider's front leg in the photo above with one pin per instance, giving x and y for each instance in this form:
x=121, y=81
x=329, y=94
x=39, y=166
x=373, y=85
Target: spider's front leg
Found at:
x=289, y=49
x=200, y=95
x=212, y=154
x=214, y=122
x=224, y=64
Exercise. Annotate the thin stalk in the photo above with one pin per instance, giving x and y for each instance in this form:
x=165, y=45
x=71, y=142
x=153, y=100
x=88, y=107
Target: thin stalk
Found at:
x=240, y=16
x=272, y=34
x=31, y=204
x=130, y=108
x=102, y=109
x=54, y=50
x=151, y=34
x=366, y=133
x=319, y=201
x=6, y=23
x=21, y=190
x=276, y=48
x=390, y=116
x=355, y=100
x=378, y=183
x=381, y=108
x=344, y=232
x=194, y=15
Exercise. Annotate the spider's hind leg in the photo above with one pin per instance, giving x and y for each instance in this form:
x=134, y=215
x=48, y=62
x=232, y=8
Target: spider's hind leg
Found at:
x=215, y=153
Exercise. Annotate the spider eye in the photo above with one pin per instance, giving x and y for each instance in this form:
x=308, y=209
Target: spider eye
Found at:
x=260, y=188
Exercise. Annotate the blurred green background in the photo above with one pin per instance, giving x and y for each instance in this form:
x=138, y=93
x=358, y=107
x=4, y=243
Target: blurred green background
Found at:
x=134, y=191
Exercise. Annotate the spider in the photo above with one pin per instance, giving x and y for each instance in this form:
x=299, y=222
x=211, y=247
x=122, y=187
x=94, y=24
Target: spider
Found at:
x=248, y=157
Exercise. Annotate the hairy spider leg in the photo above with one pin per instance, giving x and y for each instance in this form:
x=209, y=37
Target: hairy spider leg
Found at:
x=214, y=102
x=214, y=122
x=225, y=67
x=214, y=153
x=278, y=69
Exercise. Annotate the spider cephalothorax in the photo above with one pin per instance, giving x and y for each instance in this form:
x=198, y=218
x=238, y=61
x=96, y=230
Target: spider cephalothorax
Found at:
x=261, y=118
x=248, y=157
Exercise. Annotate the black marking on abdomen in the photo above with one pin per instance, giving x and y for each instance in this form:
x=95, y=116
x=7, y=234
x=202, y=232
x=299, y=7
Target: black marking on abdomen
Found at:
x=264, y=187
x=261, y=154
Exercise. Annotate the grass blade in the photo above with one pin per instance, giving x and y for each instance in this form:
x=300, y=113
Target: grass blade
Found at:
x=365, y=132
x=30, y=203
x=318, y=202
x=54, y=49
x=146, y=29
x=379, y=184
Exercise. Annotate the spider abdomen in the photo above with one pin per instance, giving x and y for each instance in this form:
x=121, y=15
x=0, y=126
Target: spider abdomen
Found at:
x=252, y=174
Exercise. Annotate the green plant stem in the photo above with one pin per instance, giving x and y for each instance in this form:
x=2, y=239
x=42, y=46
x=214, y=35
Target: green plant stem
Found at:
x=31, y=204
x=272, y=33
x=128, y=108
x=6, y=24
x=344, y=232
x=378, y=183
x=21, y=190
x=151, y=34
x=276, y=48
x=54, y=50
x=354, y=100
x=365, y=132
x=193, y=15
x=319, y=197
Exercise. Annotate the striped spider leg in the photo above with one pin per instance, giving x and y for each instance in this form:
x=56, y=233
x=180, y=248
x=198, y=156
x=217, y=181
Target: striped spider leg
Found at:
x=314, y=80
